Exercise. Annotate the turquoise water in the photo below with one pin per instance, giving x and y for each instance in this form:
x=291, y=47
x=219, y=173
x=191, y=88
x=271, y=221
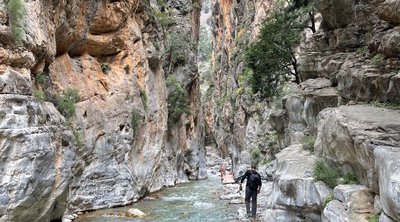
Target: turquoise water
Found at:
x=194, y=201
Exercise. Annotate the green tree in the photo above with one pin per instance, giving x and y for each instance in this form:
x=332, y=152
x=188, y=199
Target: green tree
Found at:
x=16, y=12
x=272, y=57
x=177, y=99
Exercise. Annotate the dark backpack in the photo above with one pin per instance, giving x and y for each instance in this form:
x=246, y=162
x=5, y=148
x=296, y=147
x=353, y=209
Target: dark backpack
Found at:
x=254, y=180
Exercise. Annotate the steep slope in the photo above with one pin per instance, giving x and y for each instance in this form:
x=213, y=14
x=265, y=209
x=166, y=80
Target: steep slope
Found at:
x=120, y=142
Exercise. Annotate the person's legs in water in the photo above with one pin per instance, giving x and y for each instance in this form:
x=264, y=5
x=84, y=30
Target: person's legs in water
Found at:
x=253, y=203
x=247, y=197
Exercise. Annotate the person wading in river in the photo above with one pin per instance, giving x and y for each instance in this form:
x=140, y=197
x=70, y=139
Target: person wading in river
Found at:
x=253, y=187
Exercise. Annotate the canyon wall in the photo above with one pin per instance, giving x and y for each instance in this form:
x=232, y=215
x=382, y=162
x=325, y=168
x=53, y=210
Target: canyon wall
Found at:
x=87, y=116
x=346, y=100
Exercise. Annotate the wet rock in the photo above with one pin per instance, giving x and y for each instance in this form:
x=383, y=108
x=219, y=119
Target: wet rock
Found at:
x=133, y=212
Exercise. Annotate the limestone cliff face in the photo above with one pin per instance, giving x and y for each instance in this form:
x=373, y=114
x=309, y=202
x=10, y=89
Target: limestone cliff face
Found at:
x=119, y=144
x=233, y=118
x=353, y=57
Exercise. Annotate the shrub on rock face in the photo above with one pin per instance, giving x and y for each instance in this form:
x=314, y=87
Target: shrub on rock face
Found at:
x=350, y=178
x=308, y=143
x=325, y=173
x=177, y=99
x=66, y=102
x=16, y=12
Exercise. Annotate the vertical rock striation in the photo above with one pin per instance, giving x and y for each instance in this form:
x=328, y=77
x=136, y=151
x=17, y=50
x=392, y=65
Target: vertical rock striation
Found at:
x=233, y=118
x=119, y=143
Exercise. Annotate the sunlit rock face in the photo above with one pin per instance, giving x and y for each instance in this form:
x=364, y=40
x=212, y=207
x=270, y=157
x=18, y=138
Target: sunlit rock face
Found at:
x=118, y=145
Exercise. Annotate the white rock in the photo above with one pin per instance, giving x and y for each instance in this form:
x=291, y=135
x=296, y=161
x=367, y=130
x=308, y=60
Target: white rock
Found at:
x=343, y=192
x=133, y=212
x=387, y=165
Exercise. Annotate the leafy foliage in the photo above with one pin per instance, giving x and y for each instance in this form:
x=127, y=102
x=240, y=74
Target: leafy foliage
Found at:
x=16, y=12
x=164, y=18
x=325, y=173
x=327, y=200
x=256, y=156
x=177, y=48
x=377, y=60
x=272, y=57
x=374, y=218
x=177, y=99
x=41, y=78
x=66, y=102
x=350, y=178
x=135, y=120
x=39, y=94
x=105, y=67
x=196, y=6
x=308, y=143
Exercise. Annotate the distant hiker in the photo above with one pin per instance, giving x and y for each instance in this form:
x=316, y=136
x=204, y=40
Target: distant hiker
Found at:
x=253, y=187
x=222, y=170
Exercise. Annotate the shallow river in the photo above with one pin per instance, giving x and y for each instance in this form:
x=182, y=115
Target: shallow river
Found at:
x=194, y=201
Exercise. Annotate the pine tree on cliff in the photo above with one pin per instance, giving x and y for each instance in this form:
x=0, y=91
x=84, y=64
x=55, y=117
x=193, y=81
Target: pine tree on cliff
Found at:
x=272, y=57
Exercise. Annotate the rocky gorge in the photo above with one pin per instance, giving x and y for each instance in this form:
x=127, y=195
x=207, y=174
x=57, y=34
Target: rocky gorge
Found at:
x=101, y=105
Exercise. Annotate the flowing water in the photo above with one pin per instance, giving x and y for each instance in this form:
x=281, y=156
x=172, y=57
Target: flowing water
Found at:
x=194, y=201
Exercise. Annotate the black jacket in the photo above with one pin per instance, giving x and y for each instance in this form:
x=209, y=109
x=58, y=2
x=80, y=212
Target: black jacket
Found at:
x=247, y=177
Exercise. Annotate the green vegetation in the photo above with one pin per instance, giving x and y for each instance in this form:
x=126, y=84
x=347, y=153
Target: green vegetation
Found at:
x=157, y=46
x=350, y=178
x=362, y=50
x=394, y=106
x=105, y=67
x=135, y=120
x=177, y=99
x=41, y=78
x=16, y=12
x=272, y=56
x=374, y=218
x=327, y=200
x=244, y=80
x=39, y=94
x=308, y=143
x=66, y=102
x=256, y=155
x=272, y=140
x=196, y=6
x=164, y=18
x=78, y=138
x=177, y=48
x=325, y=173
x=188, y=154
x=377, y=60
x=143, y=97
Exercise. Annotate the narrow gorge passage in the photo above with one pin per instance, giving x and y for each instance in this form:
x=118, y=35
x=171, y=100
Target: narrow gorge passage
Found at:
x=112, y=109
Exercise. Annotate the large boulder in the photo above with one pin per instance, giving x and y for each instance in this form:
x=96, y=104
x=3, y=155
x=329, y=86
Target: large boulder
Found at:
x=294, y=187
x=388, y=167
x=37, y=153
x=348, y=135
